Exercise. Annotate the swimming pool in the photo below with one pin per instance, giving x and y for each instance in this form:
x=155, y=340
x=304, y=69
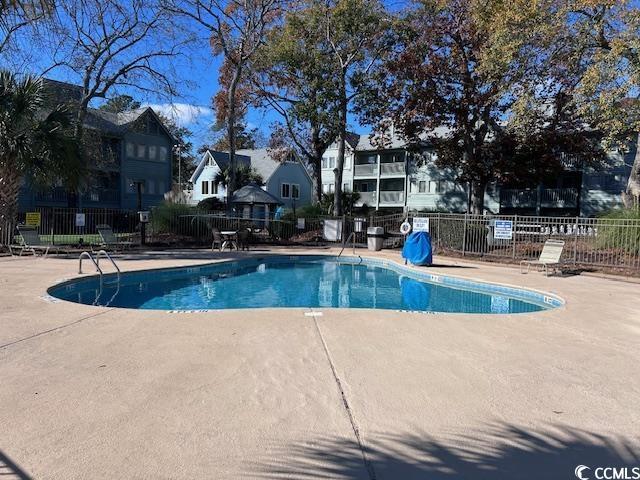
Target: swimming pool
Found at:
x=300, y=281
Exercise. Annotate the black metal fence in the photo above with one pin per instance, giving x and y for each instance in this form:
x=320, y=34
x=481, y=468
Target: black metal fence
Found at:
x=595, y=242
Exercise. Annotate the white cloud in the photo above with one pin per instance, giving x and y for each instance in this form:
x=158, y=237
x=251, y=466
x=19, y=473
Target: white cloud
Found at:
x=184, y=114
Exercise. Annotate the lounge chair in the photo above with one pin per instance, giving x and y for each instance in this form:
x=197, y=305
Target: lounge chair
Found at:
x=243, y=239
x=109, y=240
x=550, y=256
x=217, y=239
x=31, y=242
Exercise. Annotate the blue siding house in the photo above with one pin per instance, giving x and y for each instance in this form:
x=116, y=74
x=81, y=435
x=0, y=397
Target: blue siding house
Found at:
x=132, y=148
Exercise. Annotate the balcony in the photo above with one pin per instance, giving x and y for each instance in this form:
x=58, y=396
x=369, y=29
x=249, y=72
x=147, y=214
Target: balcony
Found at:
x=366, y=170
x=393, y=169
x=549, y=198
x=391, y=197
x=367, y=197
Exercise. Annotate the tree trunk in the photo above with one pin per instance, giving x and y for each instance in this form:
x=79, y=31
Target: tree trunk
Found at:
x=231, y=133
x=316, y=159
x=631, y=197
x=9, y=191
x=342, y=137
x=477, y=196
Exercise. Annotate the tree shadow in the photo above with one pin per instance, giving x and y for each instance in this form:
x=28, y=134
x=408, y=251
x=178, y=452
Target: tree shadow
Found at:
x=10, y=470
x=498, y=451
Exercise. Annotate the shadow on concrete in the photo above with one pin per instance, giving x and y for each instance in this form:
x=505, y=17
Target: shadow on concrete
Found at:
x=499, y=451
x=10, y=470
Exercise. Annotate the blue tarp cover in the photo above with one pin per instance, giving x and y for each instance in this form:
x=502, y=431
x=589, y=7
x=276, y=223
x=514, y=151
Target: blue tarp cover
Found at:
x=417, y=248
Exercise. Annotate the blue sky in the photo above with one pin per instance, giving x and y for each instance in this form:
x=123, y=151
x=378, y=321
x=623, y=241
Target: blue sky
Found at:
x=195, y=72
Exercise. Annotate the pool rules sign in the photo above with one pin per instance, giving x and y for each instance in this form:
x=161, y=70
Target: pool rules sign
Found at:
x=503, y=230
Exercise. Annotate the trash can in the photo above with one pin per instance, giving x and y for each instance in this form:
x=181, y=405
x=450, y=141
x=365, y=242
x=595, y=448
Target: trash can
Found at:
x=375, y=237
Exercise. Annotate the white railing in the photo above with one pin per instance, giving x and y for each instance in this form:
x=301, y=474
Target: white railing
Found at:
x=391, y=197
x=549, y=197
x=367, y=197
x=366, y=170
x=395, y=168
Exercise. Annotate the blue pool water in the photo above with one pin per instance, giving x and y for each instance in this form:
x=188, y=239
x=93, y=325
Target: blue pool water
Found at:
x=311, y=281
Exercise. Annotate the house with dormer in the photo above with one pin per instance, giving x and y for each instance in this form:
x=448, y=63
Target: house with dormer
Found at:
x=288, y=180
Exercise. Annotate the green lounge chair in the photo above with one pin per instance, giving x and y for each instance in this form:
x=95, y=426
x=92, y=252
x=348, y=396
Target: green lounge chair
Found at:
x=109, y=240
x=550, y=256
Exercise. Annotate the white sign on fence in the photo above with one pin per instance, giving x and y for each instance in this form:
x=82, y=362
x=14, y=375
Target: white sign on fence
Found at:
x=300, y=224
x=503, y=230
x=420, y=224
x=332, y=230
x=80, y=220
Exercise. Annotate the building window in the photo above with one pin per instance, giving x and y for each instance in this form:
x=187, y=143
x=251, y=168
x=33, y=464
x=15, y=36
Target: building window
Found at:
x=325, y=188
x=214, y=187
x=285, y=190
x=130, y=149
x=325, y=163
x=205, y=187
x=161, y=189
x=332, y=188
x=295, y=191
x=345, y=187
x=435, y=187
x=332, y=162
x=151, y=187
x=153, y=151
x=163, y=154
x=422, y=186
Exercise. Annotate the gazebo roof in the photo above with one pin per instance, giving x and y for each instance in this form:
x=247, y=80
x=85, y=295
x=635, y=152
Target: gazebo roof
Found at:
x=253, y=193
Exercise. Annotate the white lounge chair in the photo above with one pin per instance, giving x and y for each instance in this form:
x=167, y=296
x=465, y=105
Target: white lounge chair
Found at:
x=31, y=242
x=549, y=257
x=109, y=240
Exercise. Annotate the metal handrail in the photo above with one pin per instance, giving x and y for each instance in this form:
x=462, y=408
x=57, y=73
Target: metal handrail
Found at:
x=344, y=245
x=104, y=252
x=88, y=255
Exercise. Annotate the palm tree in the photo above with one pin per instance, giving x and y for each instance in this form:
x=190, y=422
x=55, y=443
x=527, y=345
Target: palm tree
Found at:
x=36, y=142
x=244, y=176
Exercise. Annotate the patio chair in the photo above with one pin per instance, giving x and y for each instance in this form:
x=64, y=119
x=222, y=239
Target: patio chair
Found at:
x=108, y=239
x=550, y=256
x=217, y=239
x=31, y=242
x=243, y=239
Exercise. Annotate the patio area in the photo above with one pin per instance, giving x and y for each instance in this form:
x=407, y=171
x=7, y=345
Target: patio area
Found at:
x=93, y=392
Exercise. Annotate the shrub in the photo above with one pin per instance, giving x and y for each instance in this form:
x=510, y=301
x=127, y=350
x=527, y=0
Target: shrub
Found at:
x=164, y=217
x=211, y=204
x=617, y=229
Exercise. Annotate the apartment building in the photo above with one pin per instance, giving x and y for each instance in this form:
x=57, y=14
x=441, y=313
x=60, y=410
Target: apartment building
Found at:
x=389, y=179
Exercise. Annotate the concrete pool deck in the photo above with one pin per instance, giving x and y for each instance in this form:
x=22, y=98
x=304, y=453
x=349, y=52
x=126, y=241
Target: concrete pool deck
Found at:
x=92, y=392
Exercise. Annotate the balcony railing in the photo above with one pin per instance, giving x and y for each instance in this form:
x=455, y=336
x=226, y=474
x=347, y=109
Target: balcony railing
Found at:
x=391, y=197
x=394, y=168
x=559, y=197
x=55, y=194
x=366, y=170
x=366, y=197
x=549, y=198
x=101, y=196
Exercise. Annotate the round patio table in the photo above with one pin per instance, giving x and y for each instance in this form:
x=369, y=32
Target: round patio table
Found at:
x=229, y=237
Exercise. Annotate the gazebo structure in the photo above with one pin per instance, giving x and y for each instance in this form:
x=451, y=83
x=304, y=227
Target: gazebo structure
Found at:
x=255, y=202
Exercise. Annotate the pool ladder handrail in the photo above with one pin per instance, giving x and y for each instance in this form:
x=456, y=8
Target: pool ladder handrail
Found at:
x=86, y=254
x=352, y=235
x=104, y=252
x=96, y=261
